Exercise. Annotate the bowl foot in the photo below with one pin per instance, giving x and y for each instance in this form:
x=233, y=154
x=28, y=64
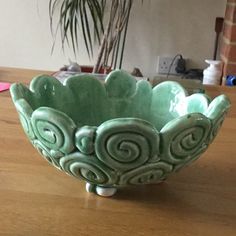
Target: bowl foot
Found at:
x=101, y=191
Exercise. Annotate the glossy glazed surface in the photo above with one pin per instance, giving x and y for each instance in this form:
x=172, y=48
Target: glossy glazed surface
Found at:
x=119, y=133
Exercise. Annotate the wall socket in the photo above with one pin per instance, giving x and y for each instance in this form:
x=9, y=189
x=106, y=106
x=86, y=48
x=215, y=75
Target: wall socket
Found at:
x=164, y=63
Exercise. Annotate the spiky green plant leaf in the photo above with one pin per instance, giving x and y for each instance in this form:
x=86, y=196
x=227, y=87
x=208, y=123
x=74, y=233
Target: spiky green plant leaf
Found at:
x=73, y=14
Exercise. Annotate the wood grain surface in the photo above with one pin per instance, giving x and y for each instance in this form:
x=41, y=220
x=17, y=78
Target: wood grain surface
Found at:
x=37, y=199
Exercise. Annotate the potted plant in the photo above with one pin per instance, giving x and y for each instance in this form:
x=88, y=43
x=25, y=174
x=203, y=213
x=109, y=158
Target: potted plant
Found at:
x=100, y=21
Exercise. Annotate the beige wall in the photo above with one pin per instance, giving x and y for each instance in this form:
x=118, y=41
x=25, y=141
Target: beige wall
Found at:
x=158, y=27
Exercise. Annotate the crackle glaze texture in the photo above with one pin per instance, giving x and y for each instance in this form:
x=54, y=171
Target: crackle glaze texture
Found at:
x=120, y=132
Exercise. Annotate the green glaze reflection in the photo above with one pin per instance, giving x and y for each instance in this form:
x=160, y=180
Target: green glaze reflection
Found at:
x=120, y=132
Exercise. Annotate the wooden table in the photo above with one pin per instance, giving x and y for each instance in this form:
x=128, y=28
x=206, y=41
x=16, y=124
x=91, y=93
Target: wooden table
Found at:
x=36, y=199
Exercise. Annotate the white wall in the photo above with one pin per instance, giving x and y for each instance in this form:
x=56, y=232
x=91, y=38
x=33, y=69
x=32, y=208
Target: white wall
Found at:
x=158, y=27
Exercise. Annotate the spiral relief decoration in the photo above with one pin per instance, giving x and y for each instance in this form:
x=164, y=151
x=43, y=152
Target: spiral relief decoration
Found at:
x=54, y=129
x=52, y=157
x=125, y=143
x=215, y=127
x=148, y=174
x=185, y=138
x=84, y=139
x=180, y=166
x=87, y=168
x=25, y=112
x=216, y=112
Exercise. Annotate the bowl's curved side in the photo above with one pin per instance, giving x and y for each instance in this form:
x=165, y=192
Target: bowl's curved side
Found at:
x=216, y=112
x=122, y=151
x=184, y=139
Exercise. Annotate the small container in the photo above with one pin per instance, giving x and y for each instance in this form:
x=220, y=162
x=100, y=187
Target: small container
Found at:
x=212, y=74
x=231, y=80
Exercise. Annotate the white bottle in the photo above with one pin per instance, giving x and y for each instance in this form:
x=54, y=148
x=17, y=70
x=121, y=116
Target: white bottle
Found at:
x=212, y=74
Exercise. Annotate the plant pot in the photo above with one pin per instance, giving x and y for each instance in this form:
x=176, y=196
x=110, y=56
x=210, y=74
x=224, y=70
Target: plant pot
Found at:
x=89, y=69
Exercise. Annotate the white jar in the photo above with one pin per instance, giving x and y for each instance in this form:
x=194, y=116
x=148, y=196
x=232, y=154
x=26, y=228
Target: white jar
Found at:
x=212, y=74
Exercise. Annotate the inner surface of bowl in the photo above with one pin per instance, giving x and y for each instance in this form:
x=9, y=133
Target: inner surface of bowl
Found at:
x=87, y=101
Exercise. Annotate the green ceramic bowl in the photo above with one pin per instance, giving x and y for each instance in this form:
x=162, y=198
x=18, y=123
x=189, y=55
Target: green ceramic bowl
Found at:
x=117, y=133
